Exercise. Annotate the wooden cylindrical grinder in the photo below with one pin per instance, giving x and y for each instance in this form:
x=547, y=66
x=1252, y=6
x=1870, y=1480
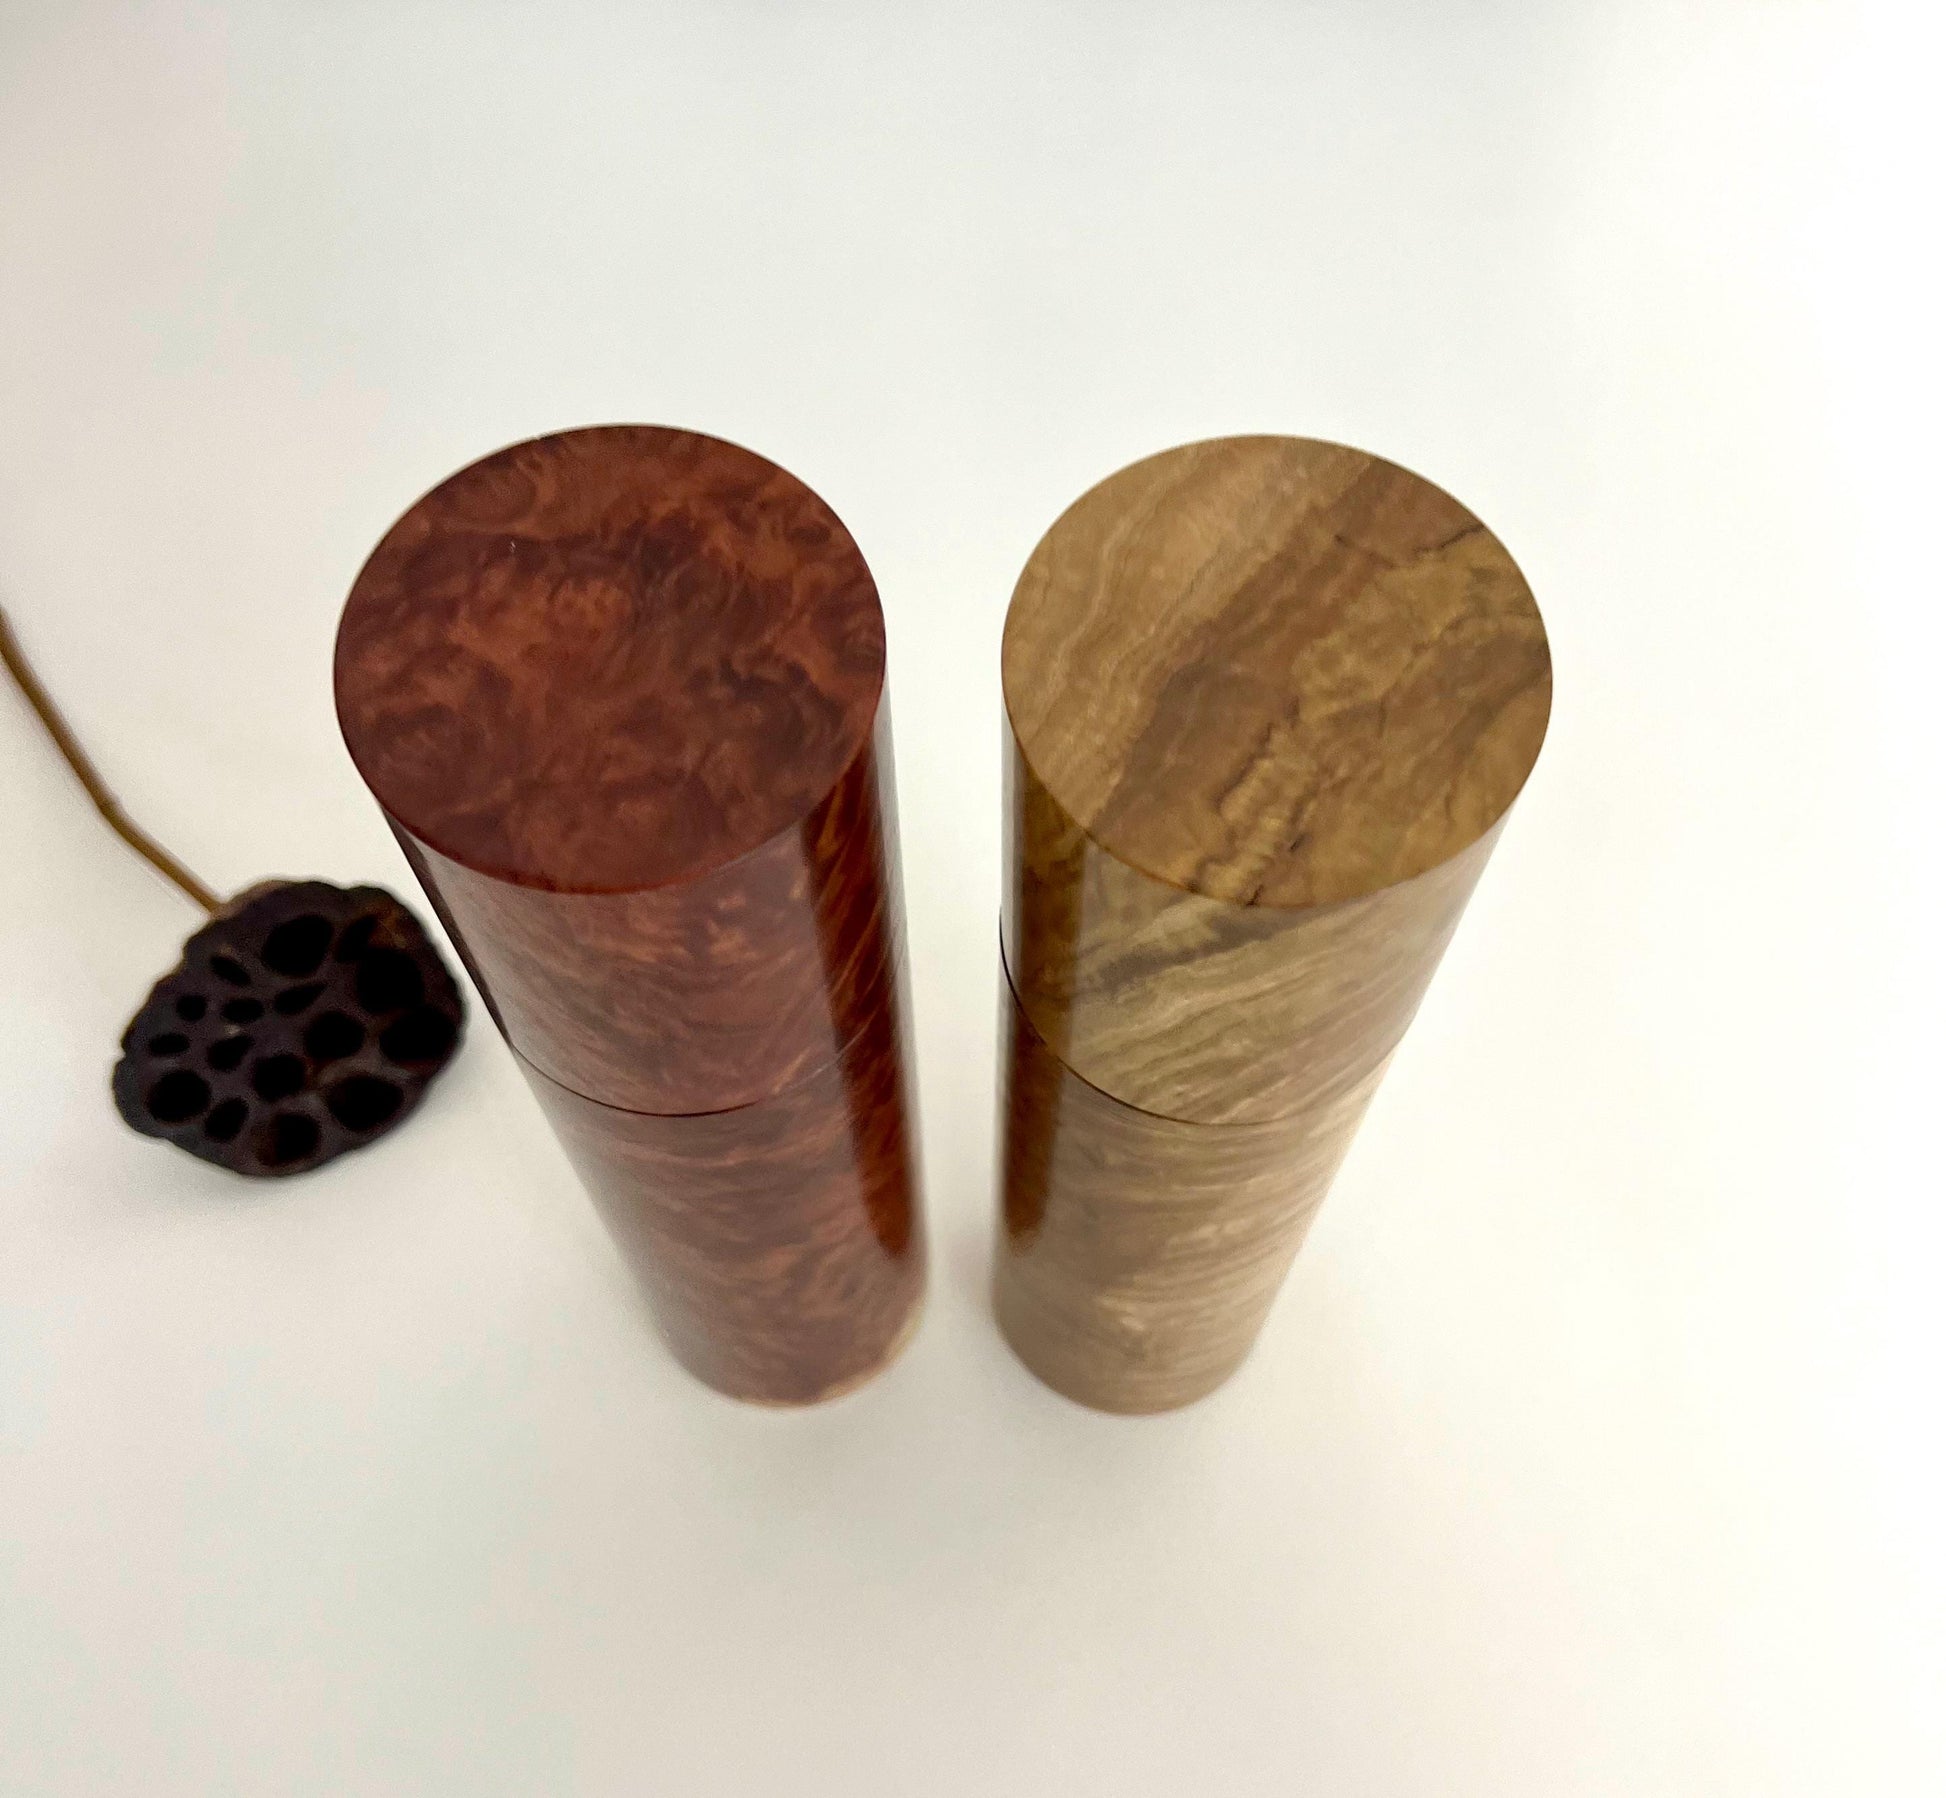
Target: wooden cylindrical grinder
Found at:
x=1270, y=700
x=620, y=693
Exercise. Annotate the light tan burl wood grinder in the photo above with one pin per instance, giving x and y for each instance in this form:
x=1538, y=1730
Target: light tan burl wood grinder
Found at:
x=1270, y=701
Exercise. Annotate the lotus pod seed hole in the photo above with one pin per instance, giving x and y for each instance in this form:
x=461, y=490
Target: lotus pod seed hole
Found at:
x=389, y=980
x=332, y=1035
x=296, y=946
x=277, y=1076
x=364, y=1102
x=422, y=1035
x=287, y=1139
x=177, y=1097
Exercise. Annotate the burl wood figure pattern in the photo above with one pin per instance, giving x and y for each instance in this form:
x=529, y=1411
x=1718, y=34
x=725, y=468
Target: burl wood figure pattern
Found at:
x=1270, y=701
x=620, y=692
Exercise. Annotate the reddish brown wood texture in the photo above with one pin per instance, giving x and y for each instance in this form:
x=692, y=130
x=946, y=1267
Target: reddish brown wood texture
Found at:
x=702, y=996
x=780, y=1244
x=620, y=693
x=610, y=660
x=617, y=691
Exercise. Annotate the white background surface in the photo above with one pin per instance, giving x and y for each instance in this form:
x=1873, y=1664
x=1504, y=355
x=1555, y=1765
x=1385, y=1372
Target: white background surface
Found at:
x=1594, y=1447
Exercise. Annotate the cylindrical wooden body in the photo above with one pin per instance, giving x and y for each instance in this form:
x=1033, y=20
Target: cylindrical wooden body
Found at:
x=1269, y=703
x=620, y=694
x=1142, y=1252
x=778, y=1242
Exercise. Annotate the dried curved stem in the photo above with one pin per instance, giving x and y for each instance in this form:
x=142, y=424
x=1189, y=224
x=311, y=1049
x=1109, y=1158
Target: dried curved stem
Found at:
x=106, y=803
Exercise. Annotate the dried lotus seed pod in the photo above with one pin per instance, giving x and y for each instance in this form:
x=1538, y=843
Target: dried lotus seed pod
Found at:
x=304, y=1020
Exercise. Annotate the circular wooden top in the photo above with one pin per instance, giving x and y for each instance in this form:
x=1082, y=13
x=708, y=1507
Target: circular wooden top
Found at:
x=610, y=660
x=1275, y=672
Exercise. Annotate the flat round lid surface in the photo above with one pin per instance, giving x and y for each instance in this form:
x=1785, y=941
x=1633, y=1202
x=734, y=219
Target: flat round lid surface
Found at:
x=610, y=659
x=1276, y=672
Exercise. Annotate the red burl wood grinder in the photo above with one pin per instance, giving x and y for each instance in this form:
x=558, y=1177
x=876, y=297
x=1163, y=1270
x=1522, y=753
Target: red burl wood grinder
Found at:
x=621, y=694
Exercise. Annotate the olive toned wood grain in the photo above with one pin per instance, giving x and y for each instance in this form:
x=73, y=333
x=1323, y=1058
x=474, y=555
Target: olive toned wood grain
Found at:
x=1270, y=701
x=1276, y=672
x=620, y=693
x=1196, y=1009
x=780, y=1245
x=1139, y=1255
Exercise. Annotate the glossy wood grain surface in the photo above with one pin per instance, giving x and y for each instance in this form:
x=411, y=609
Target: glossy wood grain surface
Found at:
x=1270, y=700
x=1194, y=1008
x=620, y=693
x=780, y=1244
x=702, y=996
x=1269, y=703
x=610, y=660
x=1277, y=672
x=1139, y=1255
